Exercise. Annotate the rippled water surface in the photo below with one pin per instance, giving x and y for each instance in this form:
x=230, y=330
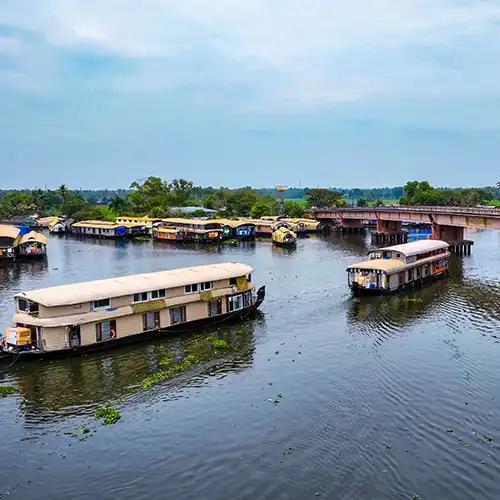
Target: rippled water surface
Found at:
x=321, y=395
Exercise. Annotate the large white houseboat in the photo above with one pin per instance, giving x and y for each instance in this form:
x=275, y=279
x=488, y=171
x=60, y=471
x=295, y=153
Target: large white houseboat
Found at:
x=399, y=266
x=68, y=319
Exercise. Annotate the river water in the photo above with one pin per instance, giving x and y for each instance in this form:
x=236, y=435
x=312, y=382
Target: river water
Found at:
x=321, y=395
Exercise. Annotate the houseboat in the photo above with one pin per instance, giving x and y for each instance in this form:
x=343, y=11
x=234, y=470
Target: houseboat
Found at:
x=108, y=229
x=32, y=245
x=237, y=229
x=147, y=222
x=9, y=239
x=399, y=266
x=284, y=237
x=69, y=319
x=188, y=230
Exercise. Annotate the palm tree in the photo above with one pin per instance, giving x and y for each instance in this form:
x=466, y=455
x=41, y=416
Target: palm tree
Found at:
x=63, y=191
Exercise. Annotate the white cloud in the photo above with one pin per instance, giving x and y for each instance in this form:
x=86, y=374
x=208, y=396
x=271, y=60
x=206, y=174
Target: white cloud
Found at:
x=292, y=52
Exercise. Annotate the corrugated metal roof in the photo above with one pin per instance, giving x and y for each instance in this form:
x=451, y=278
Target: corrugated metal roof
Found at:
x=127, y=285
x=416, y=247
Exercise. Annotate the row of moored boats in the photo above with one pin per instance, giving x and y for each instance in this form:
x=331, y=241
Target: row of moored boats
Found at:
x=283, y=231
x=21, y=242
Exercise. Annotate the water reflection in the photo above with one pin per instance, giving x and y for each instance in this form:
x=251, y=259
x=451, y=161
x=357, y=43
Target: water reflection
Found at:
x=78, y=385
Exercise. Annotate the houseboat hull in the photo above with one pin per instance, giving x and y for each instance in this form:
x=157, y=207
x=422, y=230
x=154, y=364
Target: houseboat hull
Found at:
x=8, y=355
x=362, y=291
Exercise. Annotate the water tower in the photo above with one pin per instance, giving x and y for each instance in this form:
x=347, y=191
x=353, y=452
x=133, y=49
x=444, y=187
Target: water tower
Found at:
x=281, y=190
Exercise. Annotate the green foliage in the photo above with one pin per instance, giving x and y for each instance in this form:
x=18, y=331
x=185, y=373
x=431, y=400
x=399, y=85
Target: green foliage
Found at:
x=323, y=198
x=17, y=203
x=422, y=193
x=260, y=209
x=378, y=203
x=7, y=390
x=362, y=202
x=218, y=343
x=294, y=209
x=240, y=201
x=118, y=205
x=108, y=415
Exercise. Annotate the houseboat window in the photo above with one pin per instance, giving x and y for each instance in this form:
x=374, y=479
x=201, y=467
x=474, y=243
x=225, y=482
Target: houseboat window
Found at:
x=27, y=306
x=191, y=288
x=151, y=320
x=105, y=330
x=235, y=303
x=233, y=281
x=247, y=299
x=215, y=307
x=177, y=315
x=98, y=305
x=145, y=296
x=207, y=285
x=249, y=278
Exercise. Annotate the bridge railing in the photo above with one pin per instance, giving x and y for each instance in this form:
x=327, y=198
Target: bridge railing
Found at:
x=478, y=211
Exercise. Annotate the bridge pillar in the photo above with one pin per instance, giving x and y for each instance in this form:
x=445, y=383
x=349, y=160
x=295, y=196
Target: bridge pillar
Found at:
x=350, y=225
x=389, y=232
x=454, y=236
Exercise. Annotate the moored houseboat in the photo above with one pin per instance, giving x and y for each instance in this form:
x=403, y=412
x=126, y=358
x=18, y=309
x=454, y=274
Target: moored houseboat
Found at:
x=237, y=229
x=188, y=230
x=284, y=237
x=108, y=229
x=399, y=266
x=9, y=239
x=147, y=222
x=68, y=319
x=32, y=245
x=99, y=229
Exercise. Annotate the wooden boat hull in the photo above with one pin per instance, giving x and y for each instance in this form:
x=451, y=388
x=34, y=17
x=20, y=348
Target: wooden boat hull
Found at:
x=139, y=337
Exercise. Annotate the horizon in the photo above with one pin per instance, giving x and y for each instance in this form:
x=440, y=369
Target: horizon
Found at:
x=249, y=93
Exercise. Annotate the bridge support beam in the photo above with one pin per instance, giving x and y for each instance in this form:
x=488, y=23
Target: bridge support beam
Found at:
x=454, y=236
x=350, y=225
x=389, y=233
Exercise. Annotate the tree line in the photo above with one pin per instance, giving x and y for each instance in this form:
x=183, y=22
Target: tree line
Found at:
x=157, y=197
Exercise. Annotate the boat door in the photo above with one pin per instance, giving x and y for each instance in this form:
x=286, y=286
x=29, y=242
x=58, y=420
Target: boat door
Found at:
x=74, y=336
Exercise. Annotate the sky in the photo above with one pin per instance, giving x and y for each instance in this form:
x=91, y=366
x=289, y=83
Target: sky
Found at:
x=96, y=94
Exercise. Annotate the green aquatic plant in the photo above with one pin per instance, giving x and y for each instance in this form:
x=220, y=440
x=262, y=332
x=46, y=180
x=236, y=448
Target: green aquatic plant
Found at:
x=108, y=415
x=7, y=390
x=218, y=343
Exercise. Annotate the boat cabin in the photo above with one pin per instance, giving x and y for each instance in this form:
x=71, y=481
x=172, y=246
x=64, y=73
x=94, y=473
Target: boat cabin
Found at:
x=147, y=222
x=99, y=229
x=284, y=237
x=188, y=230
x=238, y=229
x=32, y=245
x=89, y=315
x=399, y=266
x=9, y=239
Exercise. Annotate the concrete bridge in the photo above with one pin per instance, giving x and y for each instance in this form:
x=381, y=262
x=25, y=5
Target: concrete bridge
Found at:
x=447, y=223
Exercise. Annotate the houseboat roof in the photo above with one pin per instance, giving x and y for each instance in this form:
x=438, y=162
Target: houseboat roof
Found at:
x=234, y=223
x=416, y=247
x=34, y=236
x=98, y=224
x=138, y=219
x=78, y=293
x=7, y=231
x=197, y=222
x=379, y=265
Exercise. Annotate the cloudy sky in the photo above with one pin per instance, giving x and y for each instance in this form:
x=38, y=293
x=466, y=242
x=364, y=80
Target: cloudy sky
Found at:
x=97, y=93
